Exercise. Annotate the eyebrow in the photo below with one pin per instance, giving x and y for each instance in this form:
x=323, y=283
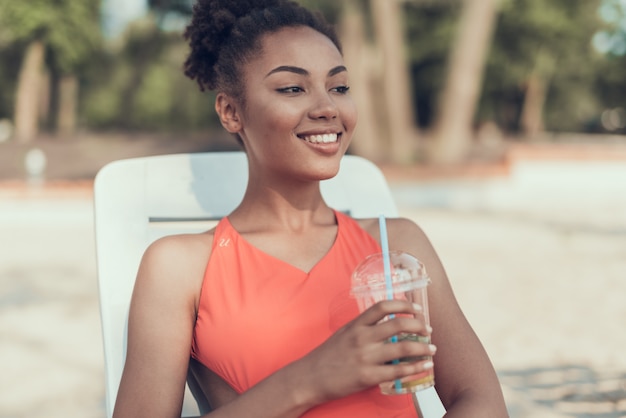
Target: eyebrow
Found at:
x=337, y=70
x=302, y=71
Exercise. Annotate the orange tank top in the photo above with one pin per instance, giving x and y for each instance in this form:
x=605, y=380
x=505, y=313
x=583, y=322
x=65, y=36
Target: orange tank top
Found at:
x=258, y=313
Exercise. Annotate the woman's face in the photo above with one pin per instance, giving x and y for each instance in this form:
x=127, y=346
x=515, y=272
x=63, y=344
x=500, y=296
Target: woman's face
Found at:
x=298, y=117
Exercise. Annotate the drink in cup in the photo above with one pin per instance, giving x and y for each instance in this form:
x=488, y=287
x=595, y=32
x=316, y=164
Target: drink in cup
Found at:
x=406, y=279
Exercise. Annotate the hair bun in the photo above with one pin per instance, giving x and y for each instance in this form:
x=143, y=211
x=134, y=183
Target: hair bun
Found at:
x=210, y=26
x=223, y=34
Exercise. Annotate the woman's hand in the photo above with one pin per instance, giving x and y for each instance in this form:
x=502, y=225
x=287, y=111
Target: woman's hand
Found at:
x=358, y=356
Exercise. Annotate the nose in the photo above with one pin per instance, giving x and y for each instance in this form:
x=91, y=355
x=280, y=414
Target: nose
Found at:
x=323, y=107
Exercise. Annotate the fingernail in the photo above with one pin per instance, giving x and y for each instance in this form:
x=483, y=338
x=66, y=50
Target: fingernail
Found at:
x=429, y=328
x=432, y=348
x=418, y=307
x=428, y=365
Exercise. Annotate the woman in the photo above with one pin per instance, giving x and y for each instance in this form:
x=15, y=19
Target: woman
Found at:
x=260, y=303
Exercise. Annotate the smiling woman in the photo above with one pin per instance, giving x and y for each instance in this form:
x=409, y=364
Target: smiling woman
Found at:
x=245, y=309
x=296, y=102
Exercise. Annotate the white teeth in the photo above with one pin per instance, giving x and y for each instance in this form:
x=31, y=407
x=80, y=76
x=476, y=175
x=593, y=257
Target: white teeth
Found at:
x=321, y=139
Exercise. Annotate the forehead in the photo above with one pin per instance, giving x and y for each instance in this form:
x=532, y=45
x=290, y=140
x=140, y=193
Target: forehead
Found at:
x=299, y=46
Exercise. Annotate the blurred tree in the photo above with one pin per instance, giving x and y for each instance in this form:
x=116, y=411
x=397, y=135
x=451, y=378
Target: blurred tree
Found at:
x=139, y=84
x=541, y=72
x=145, y=45
x=61, y=33
x=9, y=57
x=389, y=27
x=431, y=26
x=171, y=15
x=360, y=59
x=612, y=38
x=452, y=130
x=162, y=7
x=331, y=9
x=610, y=81
x=541, y=69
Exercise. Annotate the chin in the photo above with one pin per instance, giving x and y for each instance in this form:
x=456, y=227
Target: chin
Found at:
x=325, y=174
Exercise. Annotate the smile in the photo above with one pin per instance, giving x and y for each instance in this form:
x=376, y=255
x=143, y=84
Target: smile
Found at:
x=321, y=139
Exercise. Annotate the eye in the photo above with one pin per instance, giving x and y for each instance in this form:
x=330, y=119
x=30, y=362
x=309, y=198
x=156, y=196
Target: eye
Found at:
x=290, y=90
x=341, y=89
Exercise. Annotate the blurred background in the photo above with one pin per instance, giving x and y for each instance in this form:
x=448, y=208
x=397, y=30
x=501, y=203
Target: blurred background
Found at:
x=436, y=81
x=500, y=125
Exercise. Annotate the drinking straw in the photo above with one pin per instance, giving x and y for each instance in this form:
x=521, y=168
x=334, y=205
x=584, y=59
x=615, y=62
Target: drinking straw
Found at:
x=388, y=285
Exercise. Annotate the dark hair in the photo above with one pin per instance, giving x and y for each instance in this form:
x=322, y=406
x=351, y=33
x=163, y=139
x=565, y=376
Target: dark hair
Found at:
x=223, y=34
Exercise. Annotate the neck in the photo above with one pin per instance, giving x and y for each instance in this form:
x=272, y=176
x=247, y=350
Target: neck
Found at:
x=282, y=205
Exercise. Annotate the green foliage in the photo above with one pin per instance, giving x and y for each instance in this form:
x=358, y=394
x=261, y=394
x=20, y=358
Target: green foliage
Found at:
x=430, y=31
x=183, y=7
x=331, y=9
x=610, y=82
x=10, y=59
x=140, y=83
x=142, y=86
x=550, y=39
x=153, y=96
x=68, y=28
x=103, y=82
x=612, y=38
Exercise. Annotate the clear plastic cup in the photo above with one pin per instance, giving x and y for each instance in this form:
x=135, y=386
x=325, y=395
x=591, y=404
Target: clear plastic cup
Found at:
x=408, y=281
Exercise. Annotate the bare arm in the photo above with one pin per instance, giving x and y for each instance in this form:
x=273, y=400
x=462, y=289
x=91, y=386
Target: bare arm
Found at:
x=160, y=326
x=161, y=323
x=465, y=378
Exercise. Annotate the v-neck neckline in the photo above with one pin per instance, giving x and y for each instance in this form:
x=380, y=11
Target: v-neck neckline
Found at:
x=254, y=248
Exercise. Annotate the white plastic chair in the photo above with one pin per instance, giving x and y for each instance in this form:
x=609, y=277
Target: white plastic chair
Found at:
x=141, y=199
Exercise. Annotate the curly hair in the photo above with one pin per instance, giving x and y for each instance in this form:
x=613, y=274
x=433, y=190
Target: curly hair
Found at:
x=223, y=34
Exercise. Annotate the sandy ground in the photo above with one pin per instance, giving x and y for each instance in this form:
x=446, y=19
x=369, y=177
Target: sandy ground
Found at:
x=537, y=259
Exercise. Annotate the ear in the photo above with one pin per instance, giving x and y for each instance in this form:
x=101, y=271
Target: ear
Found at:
x=227, y=110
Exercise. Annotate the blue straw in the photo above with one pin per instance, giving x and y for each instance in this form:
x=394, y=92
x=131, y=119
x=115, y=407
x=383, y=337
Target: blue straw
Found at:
x=384, y=242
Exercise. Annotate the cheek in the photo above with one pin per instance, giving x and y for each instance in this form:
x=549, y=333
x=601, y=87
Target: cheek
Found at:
x=277, y=119
x=349, y=114
x=261, y=125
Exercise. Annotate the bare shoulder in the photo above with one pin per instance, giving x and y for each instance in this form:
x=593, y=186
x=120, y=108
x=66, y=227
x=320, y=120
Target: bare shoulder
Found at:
x=403, y=233
x=187, y=246
x=176, y=262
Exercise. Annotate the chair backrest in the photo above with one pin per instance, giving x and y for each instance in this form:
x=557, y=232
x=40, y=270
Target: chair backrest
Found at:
x=139, y=200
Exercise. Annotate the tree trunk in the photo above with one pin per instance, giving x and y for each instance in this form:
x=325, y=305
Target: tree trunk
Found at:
x=402, y=133
x=531, y=119
x=366, y=141
x=68, y=105
x=28, y=94
x=452, y=133
x=45, y=98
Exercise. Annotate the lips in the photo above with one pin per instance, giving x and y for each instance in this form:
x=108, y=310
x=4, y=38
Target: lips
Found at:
x=320, y=138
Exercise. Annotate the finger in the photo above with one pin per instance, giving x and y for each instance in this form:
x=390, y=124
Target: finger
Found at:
x=400, y=325
x=391, y=372
x=404, y=352
x=403, y=370
x=407, y=351
x=384, y=308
